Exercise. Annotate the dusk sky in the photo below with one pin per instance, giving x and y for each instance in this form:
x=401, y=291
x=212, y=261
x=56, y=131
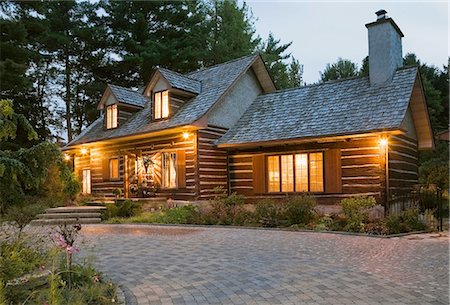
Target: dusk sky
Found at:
x=323, y=31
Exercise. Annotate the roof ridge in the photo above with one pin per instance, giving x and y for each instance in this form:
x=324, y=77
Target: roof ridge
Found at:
x=223, y=63
x=334, y=81
x=180, y=74
x=125, y=88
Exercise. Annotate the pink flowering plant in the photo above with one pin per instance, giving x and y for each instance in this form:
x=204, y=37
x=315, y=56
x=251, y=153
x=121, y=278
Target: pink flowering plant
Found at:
x=64, y=238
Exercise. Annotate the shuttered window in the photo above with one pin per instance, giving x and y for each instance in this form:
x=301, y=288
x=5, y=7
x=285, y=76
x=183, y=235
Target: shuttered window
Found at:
x=295, y=172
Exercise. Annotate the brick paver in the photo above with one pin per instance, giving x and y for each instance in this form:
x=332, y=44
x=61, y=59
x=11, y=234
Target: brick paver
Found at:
x=185, y=265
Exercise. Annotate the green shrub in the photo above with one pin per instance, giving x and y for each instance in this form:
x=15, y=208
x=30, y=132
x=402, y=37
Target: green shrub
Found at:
x=21, y=215
x=268, y=213
x=17, y=259
x=406, y=221
x=122, y=208
x=300, y=209
x=356, y=211
x=325, y=223
x=226, y=210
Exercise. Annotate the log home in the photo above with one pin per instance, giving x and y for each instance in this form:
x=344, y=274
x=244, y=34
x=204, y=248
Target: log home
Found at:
x=227, y=126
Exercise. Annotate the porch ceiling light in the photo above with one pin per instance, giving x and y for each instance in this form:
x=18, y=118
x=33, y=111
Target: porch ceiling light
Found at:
x=384, y=142
x=186, y=135
x=84, y=151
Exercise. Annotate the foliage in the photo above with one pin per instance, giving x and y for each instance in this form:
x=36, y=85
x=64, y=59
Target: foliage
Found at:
x=325, y=223
x=406, y=221
x=184, y=215
x=225, y=209
x=11, y=121
x=434, y=166
x=36, y=172
x=343, y=68
x=274, y=56
x=268, y=213
x=22, y=214
x=122, y=208
x=18, y=258
x=356, y=211
x=300, y=209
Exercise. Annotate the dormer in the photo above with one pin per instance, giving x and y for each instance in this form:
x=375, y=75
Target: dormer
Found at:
x=168, y=91
x=118, y=104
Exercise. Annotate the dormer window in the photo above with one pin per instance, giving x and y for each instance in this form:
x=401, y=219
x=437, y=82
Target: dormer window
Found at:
x=111, y=116
x=161, y=104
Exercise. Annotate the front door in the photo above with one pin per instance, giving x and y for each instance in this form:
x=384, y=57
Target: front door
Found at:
x=86, y=181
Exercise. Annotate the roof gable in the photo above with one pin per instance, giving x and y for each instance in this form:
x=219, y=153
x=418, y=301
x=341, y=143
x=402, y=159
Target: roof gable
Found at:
x=333, y=108
x=122, y=95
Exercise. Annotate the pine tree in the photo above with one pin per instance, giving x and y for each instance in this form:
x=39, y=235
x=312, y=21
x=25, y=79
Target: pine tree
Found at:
x=343, y=68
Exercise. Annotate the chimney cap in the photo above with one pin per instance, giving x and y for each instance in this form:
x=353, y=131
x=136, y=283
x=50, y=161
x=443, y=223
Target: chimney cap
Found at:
x=381, y=14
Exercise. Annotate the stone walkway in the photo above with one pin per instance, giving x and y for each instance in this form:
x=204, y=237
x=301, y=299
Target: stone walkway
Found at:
x=195, y=265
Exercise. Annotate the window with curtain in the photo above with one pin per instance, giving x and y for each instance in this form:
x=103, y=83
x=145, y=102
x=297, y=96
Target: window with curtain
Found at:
x=169, y=170
x=295, y=172
x=114, y=168
x=111, y=116
x=161, y=104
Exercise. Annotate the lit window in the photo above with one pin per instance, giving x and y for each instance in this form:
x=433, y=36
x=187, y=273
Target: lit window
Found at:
x=111, y=116
x=287, y=173
x=114, y=168
x=86, y=181
x=273, y=165
x=316, y=172
x=169, y=170
x=299, y=173
x=161, y=101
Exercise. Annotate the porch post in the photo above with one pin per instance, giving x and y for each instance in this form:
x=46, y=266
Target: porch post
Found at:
x=126, y=184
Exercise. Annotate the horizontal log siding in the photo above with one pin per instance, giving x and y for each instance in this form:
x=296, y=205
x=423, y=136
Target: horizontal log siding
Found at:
x=362, y=165
x=403, y=164
x=212, y=162
x=104, y=188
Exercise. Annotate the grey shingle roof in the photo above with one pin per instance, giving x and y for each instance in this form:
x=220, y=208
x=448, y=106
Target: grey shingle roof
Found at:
x=128, y=96
x=180, y=81
x=215, y=82
x=332, y=108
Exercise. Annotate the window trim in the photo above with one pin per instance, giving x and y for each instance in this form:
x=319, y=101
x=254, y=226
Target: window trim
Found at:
x=163, y=187
x=161, y=92
x=112, y=126
x=292, y=154
x=111, y=178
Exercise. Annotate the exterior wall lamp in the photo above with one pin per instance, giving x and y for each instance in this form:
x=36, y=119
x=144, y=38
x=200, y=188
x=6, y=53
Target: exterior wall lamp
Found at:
x=84, y=151
x=67, y=157
x=186, y=135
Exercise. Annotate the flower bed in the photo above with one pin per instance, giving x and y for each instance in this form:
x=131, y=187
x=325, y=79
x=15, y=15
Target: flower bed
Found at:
x=299, y=212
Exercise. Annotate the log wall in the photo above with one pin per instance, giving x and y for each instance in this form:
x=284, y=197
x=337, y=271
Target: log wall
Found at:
x=403, y=164
x=212, y=162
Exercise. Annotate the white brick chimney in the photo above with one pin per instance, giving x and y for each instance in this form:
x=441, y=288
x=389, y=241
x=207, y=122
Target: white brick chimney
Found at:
x=385, y=48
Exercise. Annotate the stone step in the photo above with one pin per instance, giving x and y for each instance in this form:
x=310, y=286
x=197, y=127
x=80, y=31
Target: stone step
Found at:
x=68, y=215
x=49, y=222
x=81, y=209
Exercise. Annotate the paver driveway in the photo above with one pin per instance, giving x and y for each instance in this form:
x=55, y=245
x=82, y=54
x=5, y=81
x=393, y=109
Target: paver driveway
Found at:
x=186, y=265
